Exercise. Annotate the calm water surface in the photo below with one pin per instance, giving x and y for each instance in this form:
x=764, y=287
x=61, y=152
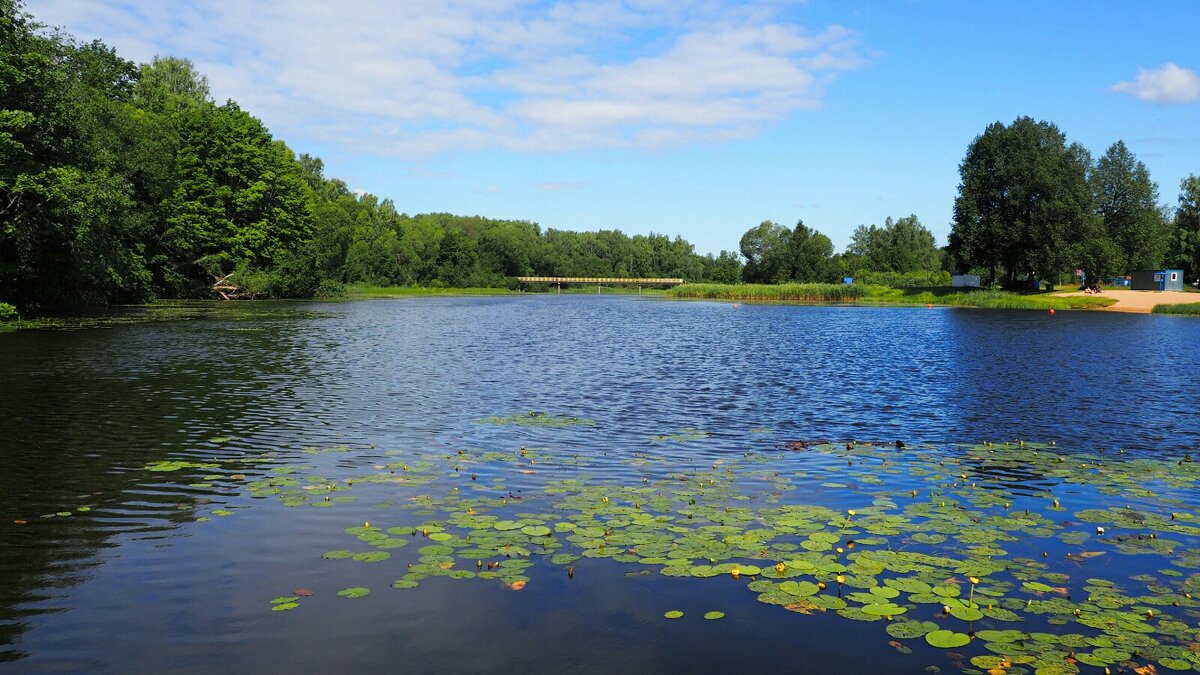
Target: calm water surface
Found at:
x=136, y=584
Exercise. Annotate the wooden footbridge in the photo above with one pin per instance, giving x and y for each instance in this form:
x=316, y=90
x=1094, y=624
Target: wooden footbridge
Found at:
x=600, y=281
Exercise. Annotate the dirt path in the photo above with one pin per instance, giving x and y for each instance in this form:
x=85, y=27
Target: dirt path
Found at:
x=1143, y=301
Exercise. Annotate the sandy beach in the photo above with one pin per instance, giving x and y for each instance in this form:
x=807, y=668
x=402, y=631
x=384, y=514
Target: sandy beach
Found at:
x=1143, y=301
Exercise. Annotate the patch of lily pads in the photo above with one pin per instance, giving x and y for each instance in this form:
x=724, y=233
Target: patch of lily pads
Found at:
x=1000, y=552
x=535, y=418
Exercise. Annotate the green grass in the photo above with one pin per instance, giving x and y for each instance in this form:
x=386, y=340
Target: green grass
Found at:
x=363, y=291
x=1190, y=309
x=883, y=295
x=992, y=299
x=358, y=292
x=770, y=292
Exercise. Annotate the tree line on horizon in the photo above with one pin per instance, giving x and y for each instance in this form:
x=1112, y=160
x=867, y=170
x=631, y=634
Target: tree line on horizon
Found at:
x=122, y=182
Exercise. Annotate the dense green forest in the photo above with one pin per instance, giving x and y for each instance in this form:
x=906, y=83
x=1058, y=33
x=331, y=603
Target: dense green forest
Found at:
x=122, y=182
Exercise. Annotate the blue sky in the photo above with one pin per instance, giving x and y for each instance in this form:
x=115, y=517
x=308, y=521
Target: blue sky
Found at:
x=698, y=118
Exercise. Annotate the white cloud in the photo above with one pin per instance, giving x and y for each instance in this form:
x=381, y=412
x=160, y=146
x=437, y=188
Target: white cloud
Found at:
x=420, y=77
x=1166, y=85
x=556, y=187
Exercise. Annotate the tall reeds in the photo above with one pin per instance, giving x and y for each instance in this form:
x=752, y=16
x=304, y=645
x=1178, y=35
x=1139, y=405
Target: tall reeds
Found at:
x=770, y=292
x=1190, y=309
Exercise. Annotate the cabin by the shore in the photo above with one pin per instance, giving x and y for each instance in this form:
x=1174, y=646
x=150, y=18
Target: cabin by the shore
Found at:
x=1156, y=280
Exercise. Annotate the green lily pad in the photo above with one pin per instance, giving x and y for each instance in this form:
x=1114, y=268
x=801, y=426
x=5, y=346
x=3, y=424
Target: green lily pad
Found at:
x=354, y=592
x=884, y=609
x=906, y=630
x=711, y=616
x=966, y=613
x=800, y=589
x=947, y=639
x=673, y=614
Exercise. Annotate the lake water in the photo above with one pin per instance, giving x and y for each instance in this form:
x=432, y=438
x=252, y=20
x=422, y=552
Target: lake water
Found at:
x=290, y=423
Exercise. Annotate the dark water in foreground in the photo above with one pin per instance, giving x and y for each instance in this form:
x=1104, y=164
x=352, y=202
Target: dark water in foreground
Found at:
x=133, y=582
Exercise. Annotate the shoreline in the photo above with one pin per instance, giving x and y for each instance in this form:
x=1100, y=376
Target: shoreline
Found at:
x=1139, y=302
x=1120, y=301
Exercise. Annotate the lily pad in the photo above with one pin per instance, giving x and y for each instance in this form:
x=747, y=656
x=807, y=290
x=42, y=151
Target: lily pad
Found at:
x=906, y=630
x=947, y=639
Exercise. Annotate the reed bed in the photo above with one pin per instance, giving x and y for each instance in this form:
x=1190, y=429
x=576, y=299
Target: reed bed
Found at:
x=1190, y=309
x=815, y=293
x=883, y=295
x=364, y=291
x=1008, y=300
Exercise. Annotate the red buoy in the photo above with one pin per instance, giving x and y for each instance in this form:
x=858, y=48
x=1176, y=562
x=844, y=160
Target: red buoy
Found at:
x=1052, y=311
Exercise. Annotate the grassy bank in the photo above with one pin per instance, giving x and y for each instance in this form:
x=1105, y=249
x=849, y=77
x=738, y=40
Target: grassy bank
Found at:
x=1191, y=309
x=418, y=291
x=770, y=292
x=882, y=295
x=957, y=297
x=359, y=292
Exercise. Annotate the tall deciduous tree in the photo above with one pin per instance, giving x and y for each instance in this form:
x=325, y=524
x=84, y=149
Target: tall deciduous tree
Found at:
x=1024, y=202
x=1127, y=203
x=65, y=239
x=810, y=256
x=902, y=246
x=168, y=83
x=726, y=268
x=1185, y=239
x=239, y=197
x=765, y=250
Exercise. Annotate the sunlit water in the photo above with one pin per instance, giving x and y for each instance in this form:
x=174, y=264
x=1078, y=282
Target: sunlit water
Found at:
x=136, y=584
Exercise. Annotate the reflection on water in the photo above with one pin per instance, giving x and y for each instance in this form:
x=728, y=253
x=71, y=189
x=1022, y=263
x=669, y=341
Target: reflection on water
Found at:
x=130, y=581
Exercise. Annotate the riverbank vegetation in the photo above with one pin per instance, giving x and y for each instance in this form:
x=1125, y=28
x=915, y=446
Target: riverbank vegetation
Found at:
x=790, y=292
x=361, y=291
x=885, y=295
x=123, y=182
x=990, y=298
x=1192, y=309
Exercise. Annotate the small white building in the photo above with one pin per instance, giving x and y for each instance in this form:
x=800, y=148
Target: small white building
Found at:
x=965, y=281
